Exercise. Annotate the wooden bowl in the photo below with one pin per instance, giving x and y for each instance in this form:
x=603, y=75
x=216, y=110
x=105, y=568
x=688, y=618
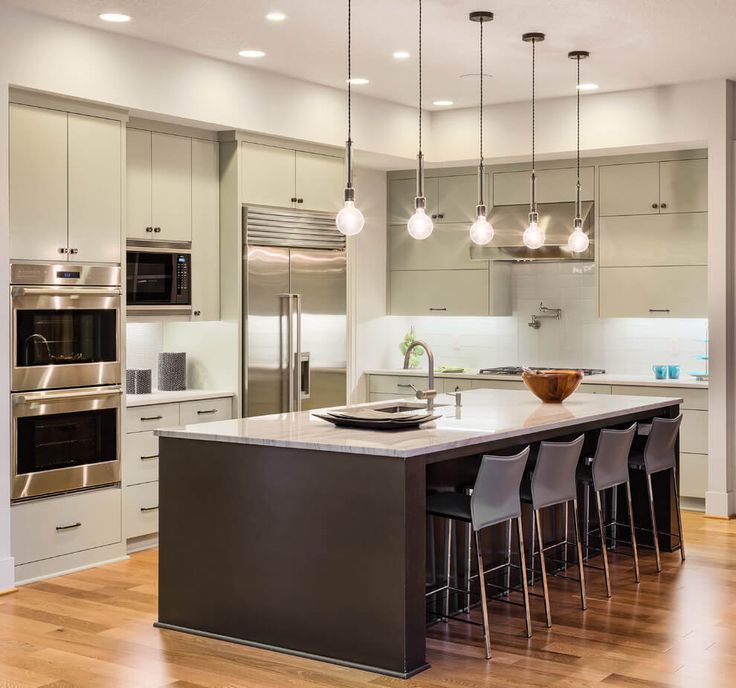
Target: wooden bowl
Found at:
x=552, y=386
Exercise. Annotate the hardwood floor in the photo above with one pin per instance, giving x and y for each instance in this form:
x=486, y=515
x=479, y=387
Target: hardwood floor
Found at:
x=94, y=629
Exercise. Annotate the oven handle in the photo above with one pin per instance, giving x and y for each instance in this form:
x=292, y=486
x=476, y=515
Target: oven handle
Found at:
x=65, y=395
x=66, y=291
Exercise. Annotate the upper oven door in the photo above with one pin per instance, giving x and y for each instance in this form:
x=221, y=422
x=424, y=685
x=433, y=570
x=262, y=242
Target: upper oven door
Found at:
x=65, y=336
x=158, y=280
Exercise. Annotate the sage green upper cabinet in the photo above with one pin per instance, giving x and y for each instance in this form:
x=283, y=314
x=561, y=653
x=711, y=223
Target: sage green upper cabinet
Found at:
x=447, y=248
x=440, y=292
x=650, y=188
x=683, y=186
x=287, y=178
x=38, y=183
x=553, y=186
x=319, y=182
x=94, y=151
x=159, y=172
x=458, y=198
x=402, y=193
x=205, y=230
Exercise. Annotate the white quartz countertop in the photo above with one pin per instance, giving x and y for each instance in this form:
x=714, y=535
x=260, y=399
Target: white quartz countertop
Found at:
x=685, y=381
x=157, y=397
x=486, y=415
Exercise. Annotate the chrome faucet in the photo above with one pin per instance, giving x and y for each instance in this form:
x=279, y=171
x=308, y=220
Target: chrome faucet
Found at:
x=427, y=394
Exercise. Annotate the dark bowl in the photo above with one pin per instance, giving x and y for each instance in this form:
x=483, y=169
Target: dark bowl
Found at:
x=552, y=386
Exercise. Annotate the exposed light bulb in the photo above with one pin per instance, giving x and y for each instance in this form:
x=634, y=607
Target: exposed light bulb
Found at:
x=349, y=220
x=481, y=231
x=578, y=241
x=420, y=224
x=533, y=236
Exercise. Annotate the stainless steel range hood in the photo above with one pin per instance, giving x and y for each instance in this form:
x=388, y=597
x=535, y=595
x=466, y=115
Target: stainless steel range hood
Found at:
x=555, y=219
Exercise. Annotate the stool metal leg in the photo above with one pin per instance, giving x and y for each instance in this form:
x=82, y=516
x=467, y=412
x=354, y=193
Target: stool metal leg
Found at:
x=524, y=584
x=545, y=590
x=534, y=544
x=676, y=490
x=483, y=601
x=604, y=546
x=449, y=568
x=614, y=516
x=581, y=572
x=468, y=563
x=507, y=576
x=655, y=532
x=633, y=532
x=586, y=519
x=567, y=537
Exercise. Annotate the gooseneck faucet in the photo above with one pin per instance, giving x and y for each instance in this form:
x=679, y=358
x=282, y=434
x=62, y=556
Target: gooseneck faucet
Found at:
x=427, y=394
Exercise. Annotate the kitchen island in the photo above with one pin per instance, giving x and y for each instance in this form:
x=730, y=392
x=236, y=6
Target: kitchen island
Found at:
x=287, y=533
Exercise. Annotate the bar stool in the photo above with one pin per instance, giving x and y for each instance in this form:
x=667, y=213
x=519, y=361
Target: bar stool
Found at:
x=495, y=500
x=606, y=470
x=553, y=483
x=659, y=455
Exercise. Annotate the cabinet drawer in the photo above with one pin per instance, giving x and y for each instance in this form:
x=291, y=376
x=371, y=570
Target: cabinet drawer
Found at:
x=691, y=398
x=141, y=510
x=498, y=384
x=140, y=418
x=693, y=475
x=397, y=385
x=594, y=389
x=140, y=458
x=62, y=525
x=205, y=411
x=381, y=396
x=694, y=432
x=453, y=384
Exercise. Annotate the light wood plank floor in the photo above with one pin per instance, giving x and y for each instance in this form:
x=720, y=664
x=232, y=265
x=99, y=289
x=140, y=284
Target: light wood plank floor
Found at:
x=93, y=629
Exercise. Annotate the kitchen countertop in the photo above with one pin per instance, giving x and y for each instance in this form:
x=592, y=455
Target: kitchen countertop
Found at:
x=486, y=415
x=157, y=397
x=686, y=381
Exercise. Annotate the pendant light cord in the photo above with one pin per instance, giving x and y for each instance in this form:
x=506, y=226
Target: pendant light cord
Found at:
x=420, y=77
x=578, y=122
x=350, y=70
x=534, y=113
x=481, y=94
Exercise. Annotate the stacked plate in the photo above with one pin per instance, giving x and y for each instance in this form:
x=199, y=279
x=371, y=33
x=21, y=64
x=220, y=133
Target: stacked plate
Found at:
x=371, y=419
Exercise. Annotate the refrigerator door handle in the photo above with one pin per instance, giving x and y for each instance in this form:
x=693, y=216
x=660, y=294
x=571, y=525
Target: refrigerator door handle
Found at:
x=290, y=353
x=298, y=358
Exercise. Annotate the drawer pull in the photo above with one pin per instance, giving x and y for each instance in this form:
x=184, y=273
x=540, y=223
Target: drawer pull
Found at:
x=403, y=385
x=438, y=309
x=659, y=310
x=72, y=526
x=149, y=458
x=206, y=413
x=147, y=418
x=149, y=508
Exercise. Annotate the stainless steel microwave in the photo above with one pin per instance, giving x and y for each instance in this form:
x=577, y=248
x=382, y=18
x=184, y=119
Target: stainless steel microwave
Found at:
x=159, y=278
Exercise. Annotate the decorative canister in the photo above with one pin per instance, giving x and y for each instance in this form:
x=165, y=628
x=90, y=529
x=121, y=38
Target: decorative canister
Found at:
x=172, y=371
x=138, y=381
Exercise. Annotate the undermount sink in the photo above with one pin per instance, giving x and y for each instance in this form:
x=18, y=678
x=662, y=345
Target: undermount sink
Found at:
x=406, y=406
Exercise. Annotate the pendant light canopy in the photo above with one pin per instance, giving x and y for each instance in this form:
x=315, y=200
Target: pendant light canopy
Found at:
x=349, y=220
x=578, y=241
x=420, y=224
x=533, y=236
x=481, y=231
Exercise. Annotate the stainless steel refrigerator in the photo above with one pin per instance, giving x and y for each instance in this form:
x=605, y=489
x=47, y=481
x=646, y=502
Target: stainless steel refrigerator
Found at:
x=294, y=319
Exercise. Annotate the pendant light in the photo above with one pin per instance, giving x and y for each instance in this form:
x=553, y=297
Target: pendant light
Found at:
x=533, y=236
x=349, y=220
x=420, y=224
x=578, y=241
x=481, y=231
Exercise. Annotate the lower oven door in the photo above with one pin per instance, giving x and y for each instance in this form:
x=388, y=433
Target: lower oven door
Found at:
x=65, y=440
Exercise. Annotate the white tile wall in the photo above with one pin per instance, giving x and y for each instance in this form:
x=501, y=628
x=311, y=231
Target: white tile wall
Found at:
x=580, y=338
x=143, y=343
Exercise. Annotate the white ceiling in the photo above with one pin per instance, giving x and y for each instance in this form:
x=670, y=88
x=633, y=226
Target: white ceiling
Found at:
x=633, y=43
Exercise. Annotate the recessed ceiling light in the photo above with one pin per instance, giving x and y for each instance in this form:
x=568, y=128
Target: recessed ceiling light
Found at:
x=251, y=53
x=401, y=55
x=114, y=17
x=443, y=103
x=358, y=81
x=587, y=87
x=276, y=16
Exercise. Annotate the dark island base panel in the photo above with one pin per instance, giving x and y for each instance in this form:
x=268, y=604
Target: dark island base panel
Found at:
x=322, y=554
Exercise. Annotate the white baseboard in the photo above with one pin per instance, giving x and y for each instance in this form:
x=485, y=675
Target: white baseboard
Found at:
x=7, y=573
x=138, y=544
x=69, y=563
x=720, y=504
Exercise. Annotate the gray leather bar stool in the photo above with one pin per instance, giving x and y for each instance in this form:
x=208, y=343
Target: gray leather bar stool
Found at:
x=553, y=483
x=495, y=499
x=606, y=470
x=659, y=455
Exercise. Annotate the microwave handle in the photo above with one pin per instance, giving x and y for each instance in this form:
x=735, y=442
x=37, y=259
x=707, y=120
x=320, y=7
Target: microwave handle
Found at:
x=66, y=291
x=66, y=395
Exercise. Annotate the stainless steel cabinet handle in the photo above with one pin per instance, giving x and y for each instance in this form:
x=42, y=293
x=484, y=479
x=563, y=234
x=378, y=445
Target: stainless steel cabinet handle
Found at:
x=300, y=200
x=149, y=229
x=404, y=385
x=149, y=508
x=197, y=313
x=47, y=397
x=655, y=205
x=74, y=251
x=149, y=458
x=147, y=418
x=659, y=310
x=59, y=529
x=66, y=291
x=207, y=412
x=157, y=230
x=293, y=199
x=63, y=250
x=438, y=309
x=662, y=205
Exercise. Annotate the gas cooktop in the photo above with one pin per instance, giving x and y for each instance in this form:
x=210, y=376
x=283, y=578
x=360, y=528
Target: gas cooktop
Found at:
x=516, y=370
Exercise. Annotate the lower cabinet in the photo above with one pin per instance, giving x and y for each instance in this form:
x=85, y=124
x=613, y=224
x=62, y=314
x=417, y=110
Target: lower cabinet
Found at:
x=141, y=509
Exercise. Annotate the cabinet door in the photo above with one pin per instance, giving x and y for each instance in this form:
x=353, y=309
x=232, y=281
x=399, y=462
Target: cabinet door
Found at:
x=646, y=292
x=631, y=189
x=439, y=292
x=553, y=186
x=138, y=174
x=205, y=230
x=447, y=248
x=402, y=193
x=267, y=175
x=94, y=189
x=683, y=186
x=319, y=182
x=38, y=183
x=458, y=198
x=171, y=187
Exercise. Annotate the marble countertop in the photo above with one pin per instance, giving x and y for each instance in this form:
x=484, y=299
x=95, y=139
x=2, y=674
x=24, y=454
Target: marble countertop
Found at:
x=157, y=397
x=685, y=382
x=486, y=415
